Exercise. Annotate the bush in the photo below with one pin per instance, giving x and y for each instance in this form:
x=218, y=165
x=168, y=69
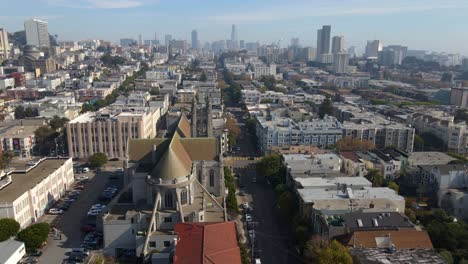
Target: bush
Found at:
x=97, y=160
x=34, y=235
x=231, y=200
x=8, y=228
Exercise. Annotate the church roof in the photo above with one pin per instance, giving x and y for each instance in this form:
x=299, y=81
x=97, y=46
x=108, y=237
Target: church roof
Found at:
x=175, y=161
x=172, y=157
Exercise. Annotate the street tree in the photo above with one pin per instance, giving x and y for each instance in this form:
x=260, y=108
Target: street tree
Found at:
x=327, y=253
x=34, y=236
x=8, y=228
x=374, y=176
x=326, y=107
x=58, y=123
x=97, y=160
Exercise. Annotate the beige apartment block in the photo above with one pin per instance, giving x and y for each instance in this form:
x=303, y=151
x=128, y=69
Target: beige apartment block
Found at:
x=108, y=130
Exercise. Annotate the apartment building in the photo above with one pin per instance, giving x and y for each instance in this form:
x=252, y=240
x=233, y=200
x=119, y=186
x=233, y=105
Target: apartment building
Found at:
x=454, y=135
x=33, y=189
x=18, y=139
x=364, y=125
x=280, y=131
x=109, y=129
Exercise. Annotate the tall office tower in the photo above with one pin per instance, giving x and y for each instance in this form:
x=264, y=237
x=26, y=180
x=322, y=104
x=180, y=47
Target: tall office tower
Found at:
x=323, y=41
x=392, y=55
x=194, y=39
x=37, y=33
x=140, y=41
x=464, y=64
x=234, y=39
x=340, y=62
x=167, y=39
x=295, y=43
x=242, y=44
x=352, y=51
x=318, y=51
x=373, y=48
x=4, y=46
x=337, y=44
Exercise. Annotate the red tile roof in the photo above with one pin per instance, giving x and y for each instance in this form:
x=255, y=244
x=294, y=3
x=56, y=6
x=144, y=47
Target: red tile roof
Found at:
x=402, y=239
x=206, y=243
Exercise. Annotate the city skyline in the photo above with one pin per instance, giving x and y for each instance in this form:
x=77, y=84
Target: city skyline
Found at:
x=358, y=21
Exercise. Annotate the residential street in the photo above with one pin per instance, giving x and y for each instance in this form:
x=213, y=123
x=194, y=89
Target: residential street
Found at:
x=272, y=237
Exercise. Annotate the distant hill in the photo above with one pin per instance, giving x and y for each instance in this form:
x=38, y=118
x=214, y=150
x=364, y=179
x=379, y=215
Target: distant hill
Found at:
x=19, y=38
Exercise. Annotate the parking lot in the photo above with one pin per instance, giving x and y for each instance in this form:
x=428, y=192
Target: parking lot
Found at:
x=69, y=225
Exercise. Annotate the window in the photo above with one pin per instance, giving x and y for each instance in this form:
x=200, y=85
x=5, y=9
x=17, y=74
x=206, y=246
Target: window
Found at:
x=186, y=219
x=183, y=196
x=167, y=219
x=168, y=199
x=212, y=178
x=152, y=244
x=167, y=243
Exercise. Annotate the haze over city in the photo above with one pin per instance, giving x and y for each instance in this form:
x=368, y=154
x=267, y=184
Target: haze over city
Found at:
x=418, y=24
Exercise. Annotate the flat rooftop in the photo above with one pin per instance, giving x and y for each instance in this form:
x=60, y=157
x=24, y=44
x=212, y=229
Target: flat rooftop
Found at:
x=17, y=131
x=429, y=158
x=314, y=195
x=22, y=182
x=330, y=183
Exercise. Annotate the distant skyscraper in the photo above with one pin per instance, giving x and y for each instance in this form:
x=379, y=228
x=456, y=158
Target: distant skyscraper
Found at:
x=323, y=41
x=373, y=48
x=37, y=33
x=125, y=42
x=392, y=55
x=319, y=44
x=234, y=39
x=194, y=39
x=140, y=41
x=242, y=44
x=340, y=62
x=352, y=51
x=337, y=44
x=464, y=64
x=4, y=46
x=295, y=43
x=167, y=39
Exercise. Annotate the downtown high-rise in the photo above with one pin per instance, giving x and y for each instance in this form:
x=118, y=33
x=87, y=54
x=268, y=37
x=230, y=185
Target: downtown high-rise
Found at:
x=37, y=33
x=234, y=39
x=323, y=40
x=195, y=39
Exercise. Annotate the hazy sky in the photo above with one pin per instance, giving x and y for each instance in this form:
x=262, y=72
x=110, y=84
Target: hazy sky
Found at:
x=439, y=25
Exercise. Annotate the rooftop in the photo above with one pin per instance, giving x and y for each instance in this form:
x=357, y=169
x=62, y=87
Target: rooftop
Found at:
x=8, y=248
x=429, y=158
x=206, y=243
x=332, y=183
x=399, y=256
x=17, y=131
x=400, y=239
x=24, y=181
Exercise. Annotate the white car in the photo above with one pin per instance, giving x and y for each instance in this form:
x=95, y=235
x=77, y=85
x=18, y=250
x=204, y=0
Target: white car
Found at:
x=98, y=207
x=82, y=177
x=85, y=169
x=248, y=218
x=245, y=205
x=94, y=212
x=55, y=211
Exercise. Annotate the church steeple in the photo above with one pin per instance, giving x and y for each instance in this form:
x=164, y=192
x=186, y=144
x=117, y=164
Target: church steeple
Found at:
x=194, y=117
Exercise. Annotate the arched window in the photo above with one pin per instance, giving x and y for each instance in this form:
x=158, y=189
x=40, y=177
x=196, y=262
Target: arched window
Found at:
x=168, y=199
x=212, y=178
x=183, y=196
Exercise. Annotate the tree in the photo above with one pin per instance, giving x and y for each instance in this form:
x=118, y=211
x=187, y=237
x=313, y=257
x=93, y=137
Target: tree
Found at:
x=57, y=123
x=231, y=200
x=327, y=253
x=392, y=185
x=34, y=236
x=326, y=107
x=8, y=228
x=97, y=159
x=203, y=77
x=418, y=142
x=270, y=167
x=447, y=256
x=447, y=77
x=45, y=136
x=411, y=214
x=19, y=112
x=5, y=159
x=375, y=177
x=354, y=144
x=233, y=130
x=245, y=257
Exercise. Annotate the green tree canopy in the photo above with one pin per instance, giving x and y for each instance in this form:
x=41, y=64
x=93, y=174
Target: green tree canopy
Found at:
x=34, y=235
x=270, y=166
x=374, y=176
x=8, y=228
x=326, y=107
x=97, y=159
x=394, y=186
x=5, y=159
x=57, y=122
x=327, y=253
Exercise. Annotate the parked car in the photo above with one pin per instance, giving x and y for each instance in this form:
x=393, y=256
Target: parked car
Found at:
x=248, y=218
x=85, y=169
x=88, y=228
x=98, y=206
x=254, y=180
x=83, y=251
x=93, y=212
x=55, y=211
x=245, y=205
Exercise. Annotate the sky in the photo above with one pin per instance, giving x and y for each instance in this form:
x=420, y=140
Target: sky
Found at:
x=433, y=25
